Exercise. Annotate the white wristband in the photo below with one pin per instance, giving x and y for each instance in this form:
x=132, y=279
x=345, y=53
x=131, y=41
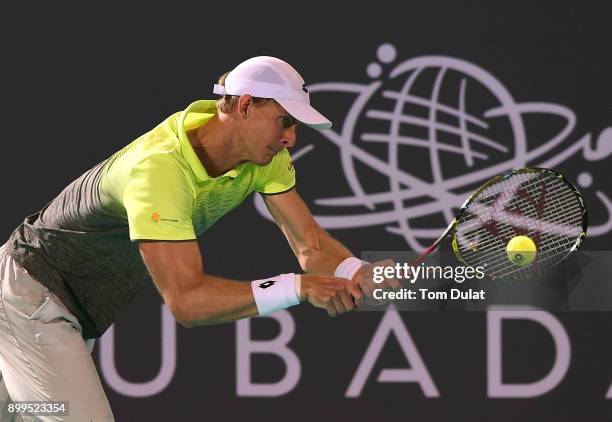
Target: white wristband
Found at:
x=349, y=267
x=275, y=293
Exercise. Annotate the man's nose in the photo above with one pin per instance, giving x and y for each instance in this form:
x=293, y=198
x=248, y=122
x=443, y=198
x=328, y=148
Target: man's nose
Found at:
x=289, y=137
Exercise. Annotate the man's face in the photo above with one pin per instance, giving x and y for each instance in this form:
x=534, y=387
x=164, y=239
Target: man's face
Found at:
x=266, y=131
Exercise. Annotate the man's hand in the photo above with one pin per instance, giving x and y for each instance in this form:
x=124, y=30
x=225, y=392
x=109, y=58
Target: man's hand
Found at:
x=364, y=279
x=335, y=295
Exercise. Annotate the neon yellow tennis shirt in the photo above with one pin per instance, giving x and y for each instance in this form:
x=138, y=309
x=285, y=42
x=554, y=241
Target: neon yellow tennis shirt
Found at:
x=81, y=244
x=160, y=184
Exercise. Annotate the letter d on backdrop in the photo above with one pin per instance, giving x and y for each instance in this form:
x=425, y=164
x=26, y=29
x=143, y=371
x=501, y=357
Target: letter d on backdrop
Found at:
x=495, y=385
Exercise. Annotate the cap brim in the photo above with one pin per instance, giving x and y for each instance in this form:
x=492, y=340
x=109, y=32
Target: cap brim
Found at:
x=306, y=114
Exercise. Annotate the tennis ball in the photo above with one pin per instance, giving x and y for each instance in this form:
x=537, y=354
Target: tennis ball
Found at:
x=521, y=250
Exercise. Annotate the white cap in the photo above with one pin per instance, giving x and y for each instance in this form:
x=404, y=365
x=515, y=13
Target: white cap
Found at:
x=269, y=77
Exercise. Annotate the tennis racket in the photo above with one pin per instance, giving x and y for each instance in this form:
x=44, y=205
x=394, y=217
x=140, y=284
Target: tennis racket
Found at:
x=535, y=202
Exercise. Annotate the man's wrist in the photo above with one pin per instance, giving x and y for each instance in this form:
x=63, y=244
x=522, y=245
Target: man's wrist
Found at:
x=349, y=267
x=275, y=293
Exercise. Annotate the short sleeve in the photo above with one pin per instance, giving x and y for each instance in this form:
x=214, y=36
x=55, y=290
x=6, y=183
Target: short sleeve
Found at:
x=278, y=176
x=159, y=200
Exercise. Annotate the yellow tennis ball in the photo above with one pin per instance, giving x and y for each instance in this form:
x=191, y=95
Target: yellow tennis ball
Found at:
x=521, y=250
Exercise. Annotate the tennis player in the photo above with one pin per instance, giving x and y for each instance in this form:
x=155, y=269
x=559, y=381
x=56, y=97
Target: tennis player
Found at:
x=70, y=270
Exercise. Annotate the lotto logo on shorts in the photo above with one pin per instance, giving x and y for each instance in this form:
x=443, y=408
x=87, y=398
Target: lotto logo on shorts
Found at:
x=155, y=217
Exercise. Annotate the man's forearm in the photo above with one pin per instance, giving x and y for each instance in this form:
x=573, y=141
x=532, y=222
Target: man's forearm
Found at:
x=323, y=255
x=215, y=300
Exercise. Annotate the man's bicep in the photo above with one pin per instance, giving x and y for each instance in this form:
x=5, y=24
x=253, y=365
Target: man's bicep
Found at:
x=175, y=266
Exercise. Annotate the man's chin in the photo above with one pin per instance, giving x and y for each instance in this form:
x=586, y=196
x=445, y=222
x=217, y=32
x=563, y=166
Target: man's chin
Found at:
x=265, y=160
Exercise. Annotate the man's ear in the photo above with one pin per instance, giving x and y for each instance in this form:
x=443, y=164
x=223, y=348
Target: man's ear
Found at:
x=244, y=105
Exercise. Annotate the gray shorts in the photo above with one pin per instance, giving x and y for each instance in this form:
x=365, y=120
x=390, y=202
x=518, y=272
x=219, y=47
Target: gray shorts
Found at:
x=43, y=356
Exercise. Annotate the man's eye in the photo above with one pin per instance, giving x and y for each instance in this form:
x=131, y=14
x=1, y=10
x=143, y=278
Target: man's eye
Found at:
x=287, y=122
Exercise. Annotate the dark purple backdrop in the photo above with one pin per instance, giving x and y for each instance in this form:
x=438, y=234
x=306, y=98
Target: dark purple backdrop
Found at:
x=80, y=80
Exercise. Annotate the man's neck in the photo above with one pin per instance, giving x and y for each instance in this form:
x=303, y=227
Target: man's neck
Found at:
x=215, y=146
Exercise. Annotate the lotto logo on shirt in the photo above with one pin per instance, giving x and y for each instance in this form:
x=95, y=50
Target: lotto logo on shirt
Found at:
x=155, y=217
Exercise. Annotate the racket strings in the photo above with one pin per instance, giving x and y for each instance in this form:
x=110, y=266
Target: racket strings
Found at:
x=566, y=206
x=538, y=204
x=570, y=220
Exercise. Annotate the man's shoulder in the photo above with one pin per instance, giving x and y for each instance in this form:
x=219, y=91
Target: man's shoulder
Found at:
x=159, y=144
x=162, y=139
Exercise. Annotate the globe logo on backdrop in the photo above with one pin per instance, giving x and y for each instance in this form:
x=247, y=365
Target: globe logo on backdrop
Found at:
x=426, y=135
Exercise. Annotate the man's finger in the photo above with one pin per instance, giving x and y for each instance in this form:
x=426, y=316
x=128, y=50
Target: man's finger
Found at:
x=356, y=293
x=337, y=302
x=347, y=300
x=331, y=309
x=367, y=287
x=393, y=283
